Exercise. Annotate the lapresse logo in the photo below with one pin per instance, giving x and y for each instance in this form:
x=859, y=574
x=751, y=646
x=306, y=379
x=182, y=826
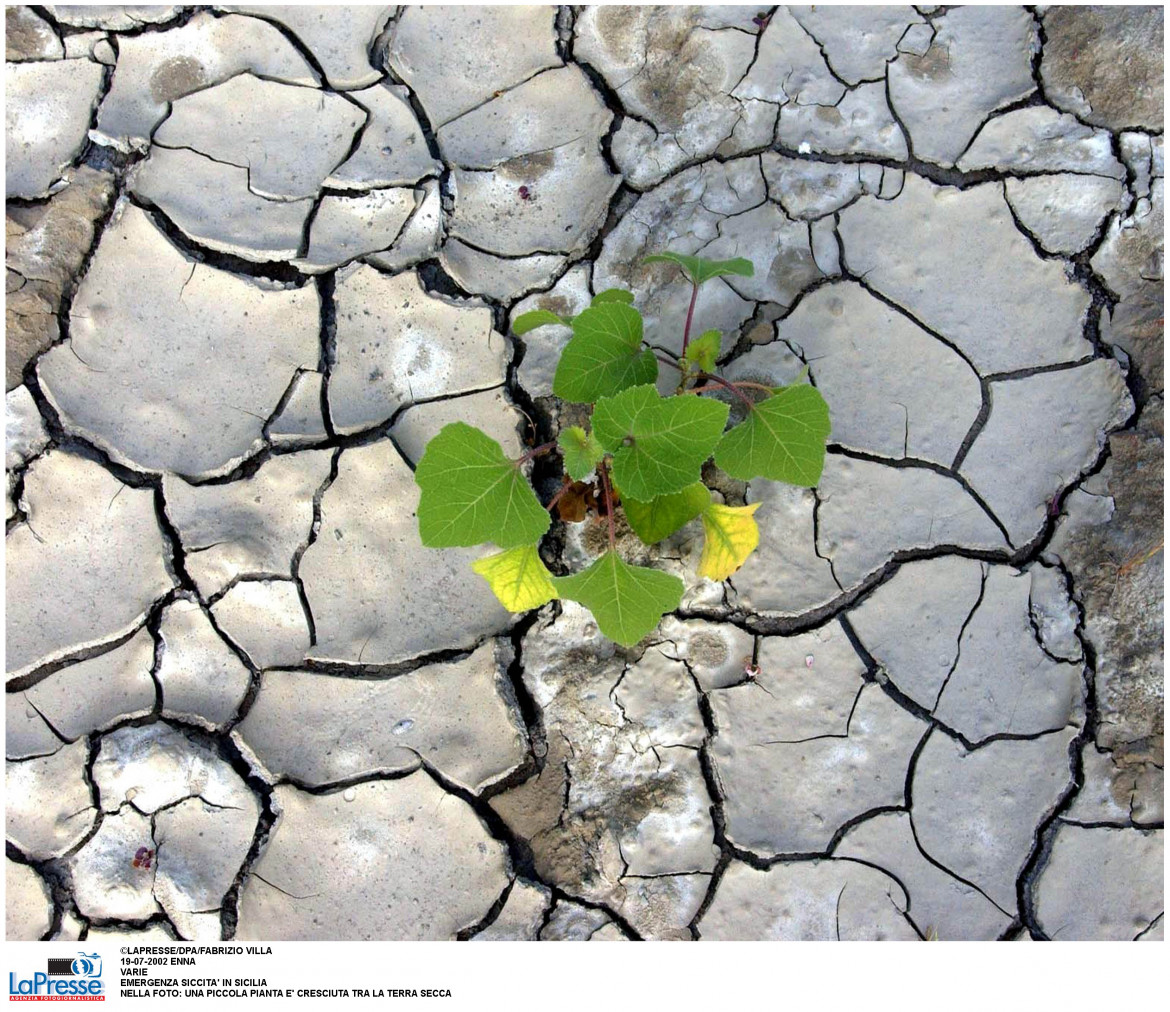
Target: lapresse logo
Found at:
x=68, y=978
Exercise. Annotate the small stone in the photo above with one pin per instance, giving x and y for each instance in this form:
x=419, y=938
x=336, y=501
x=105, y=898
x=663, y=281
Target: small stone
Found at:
x=265, y=619
x=28, y=36
x=876, y=407
x=499, y=278
x=405, y=860
x=1066, y=212
x=49, y=808
x=980, y=60
x=349, y=794
x=968, y=247
x=392, y=150
x=1101, y=884
x=870, y=512
x=791, y=794
x=491, y=412
x=1102, y=64
x=97, y=693
x=785, y=576
x=938, y=903
x=300, y=420
x=341, y=45
x=47, y=107
x=457, y=59
x=155, y=68
x=859, y=124
x=376, y=594
x=346, y=228
x=911, y=624
x=397, y=344
x=806, y=901
x=1040, y=139
x=318, y=729
x=114, y=873
x=28, y=904
x=290, y=138
x=1067, y=414
x=521, y=917
x=162, y=369
x=84, y=567
x=994, y=797
x=202, y=680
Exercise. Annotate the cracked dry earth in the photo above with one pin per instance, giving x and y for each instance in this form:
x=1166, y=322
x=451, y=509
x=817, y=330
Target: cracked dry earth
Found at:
x=258, y=255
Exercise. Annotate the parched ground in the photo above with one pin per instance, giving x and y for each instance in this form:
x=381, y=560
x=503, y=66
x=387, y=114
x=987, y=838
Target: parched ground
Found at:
x=258, y=256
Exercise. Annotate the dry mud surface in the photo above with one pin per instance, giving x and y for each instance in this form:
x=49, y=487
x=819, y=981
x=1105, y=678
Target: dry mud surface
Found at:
x=258, y=256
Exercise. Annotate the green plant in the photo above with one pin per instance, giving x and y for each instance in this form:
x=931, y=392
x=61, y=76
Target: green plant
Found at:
x=644, y=454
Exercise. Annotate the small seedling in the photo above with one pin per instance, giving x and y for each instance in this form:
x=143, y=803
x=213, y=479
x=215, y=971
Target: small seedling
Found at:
x=643, y=454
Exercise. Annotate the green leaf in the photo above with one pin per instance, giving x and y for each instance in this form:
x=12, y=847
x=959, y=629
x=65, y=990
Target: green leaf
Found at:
x=700, y=270
x=581, y=451
x=535, y=318
x=658, y=444
x=704, y=350
x=783, y=438
x=731, y=536
x=472, y=493
x=605, y=355
x=662, y=516
x=626, y=600
x=518, y=578
x=612, y=295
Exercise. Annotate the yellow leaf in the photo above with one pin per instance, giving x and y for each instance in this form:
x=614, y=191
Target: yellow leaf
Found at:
x=518, y=578
x=731, y=536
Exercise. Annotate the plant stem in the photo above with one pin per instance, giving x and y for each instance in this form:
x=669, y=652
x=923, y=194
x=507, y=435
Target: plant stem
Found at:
x=668, y=361
x=726, y=384
x=603, y=470
x=557, y=498
x=536, y=451
x=690, y=316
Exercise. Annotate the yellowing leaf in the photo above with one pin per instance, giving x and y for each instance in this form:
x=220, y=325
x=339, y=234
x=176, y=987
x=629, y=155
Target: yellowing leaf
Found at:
x=518, y=578
x=731, y=536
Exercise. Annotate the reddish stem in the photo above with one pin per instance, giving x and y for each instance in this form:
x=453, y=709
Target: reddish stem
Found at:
x=536, y=451
x=727, y=384
x=668, y=361
x=690, y=316
x=557, y=498
x=603, y=470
